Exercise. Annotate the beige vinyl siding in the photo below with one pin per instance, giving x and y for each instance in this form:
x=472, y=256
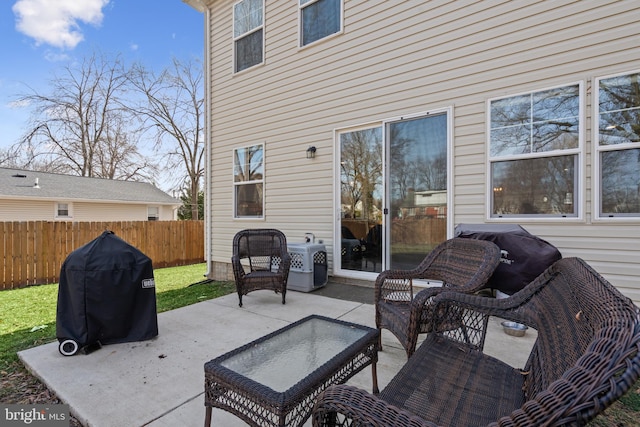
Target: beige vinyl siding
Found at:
x=83, y=211
x=168, y=213
x=400, y=58
x=45, y=210
x=26, y=210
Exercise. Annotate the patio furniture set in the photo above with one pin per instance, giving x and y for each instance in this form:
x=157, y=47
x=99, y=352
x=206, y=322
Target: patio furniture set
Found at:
x=586, y=355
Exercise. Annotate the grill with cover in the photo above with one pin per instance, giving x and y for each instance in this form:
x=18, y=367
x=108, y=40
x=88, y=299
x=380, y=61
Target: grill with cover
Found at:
x=524, y=256
x=106, y=295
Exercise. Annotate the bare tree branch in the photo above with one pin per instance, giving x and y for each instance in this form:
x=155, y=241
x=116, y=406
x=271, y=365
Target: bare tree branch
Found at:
x=173, y=109
x=78, y=127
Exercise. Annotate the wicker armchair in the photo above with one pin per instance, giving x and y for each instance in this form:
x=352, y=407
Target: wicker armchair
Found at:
x=463, y=265
x=585, y=357
x=260, y=261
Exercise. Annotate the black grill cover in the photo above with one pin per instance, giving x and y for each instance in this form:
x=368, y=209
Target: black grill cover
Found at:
x=106, y=294
x=523, y=255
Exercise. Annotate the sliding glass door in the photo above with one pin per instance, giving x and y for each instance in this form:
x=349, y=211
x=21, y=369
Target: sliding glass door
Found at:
x=394, y=193
x=417, y=188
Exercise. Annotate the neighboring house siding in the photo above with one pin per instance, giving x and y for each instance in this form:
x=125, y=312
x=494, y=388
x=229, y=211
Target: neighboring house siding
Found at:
x=401, y=58
x=26, y=210
x=83, y=211
x=34, y=210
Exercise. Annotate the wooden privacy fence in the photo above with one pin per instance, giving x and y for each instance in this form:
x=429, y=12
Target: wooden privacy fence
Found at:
x=32, y=252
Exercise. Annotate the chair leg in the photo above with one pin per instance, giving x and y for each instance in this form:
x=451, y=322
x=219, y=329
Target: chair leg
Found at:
x=411, y=345
x=240, y=298
x=379, y=339
x=409, y=351
x=207, y=417
x=283, y=295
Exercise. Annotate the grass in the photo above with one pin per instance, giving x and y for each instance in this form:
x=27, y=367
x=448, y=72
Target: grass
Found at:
x=28, y=316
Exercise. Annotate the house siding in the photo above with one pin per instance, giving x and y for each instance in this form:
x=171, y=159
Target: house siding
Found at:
x=22, y=210
x=37, y=210
x=401, y=58
x=108, y=212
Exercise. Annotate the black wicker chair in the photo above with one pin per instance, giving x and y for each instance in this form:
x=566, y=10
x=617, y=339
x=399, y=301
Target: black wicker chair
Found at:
x=585, y=357
x=463, y=265
x=260, y=261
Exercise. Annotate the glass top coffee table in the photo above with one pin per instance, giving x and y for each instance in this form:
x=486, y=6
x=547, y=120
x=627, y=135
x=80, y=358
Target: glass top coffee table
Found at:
x=275, y=380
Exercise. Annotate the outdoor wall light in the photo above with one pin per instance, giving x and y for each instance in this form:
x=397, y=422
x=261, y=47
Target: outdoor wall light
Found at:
x=311, y=152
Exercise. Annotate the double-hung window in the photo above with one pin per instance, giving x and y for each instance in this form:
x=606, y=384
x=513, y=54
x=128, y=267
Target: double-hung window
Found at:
x=535, y=141
x=248, y=34
x=153, y=213
x=319, y=19
x=617, y=159
x=63, y=210
x=248, y=180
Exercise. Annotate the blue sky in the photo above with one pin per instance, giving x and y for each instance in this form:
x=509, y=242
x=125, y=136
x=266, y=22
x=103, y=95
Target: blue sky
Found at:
x=40, y=37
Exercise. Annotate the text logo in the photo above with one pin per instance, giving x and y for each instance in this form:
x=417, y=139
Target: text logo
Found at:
x=34, y=415
x=148, y=283
x=504, y=257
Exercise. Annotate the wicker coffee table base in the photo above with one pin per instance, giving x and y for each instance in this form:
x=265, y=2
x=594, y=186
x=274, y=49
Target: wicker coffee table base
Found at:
x=259, y=405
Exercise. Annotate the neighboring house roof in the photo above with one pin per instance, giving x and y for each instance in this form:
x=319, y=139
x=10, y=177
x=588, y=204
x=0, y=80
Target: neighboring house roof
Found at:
x=19, y=183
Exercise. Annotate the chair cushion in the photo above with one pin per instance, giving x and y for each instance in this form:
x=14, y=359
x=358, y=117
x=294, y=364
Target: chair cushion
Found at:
x=450, y=384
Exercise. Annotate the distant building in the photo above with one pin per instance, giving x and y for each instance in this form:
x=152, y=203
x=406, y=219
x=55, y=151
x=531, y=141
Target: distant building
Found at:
x=40, y=196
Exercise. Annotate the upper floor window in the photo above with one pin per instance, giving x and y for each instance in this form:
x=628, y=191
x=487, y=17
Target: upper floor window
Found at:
x=617, y=160
x=534, y=153
x=319, y=19
x=248, y=180
x=248, y=33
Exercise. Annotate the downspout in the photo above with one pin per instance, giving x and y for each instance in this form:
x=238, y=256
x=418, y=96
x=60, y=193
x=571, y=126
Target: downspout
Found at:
x=208, y=240
x=200, y=6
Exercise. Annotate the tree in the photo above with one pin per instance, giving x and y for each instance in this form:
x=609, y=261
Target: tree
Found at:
x=9, y=156
x=81, y=128
x=185, y=211
x=172, y=108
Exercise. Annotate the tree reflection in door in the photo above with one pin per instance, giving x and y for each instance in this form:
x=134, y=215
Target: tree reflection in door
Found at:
x=418, y=188
x=415, y=202
x=361, y=199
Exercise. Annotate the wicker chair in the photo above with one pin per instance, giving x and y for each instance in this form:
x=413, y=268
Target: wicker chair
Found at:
x=463, y=265
x=260, y=261
x=585, y=357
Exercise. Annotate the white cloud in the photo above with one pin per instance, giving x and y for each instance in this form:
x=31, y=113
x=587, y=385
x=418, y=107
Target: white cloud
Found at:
x=133, y=46
x=56, y=22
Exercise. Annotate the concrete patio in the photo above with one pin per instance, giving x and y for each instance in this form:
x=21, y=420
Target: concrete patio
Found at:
x=160, y=382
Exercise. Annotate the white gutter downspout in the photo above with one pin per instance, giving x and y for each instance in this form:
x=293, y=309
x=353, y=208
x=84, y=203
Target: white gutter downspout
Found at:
x=200, y=6
x=208, y=239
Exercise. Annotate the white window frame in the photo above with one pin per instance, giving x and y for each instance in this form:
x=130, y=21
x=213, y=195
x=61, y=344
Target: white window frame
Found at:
x=261, y=181
x=247, y=33
x=579, y=185
x=597, y=152
x=157, y=213
x=69, y=210
x=302, y=4
x=386, y=154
